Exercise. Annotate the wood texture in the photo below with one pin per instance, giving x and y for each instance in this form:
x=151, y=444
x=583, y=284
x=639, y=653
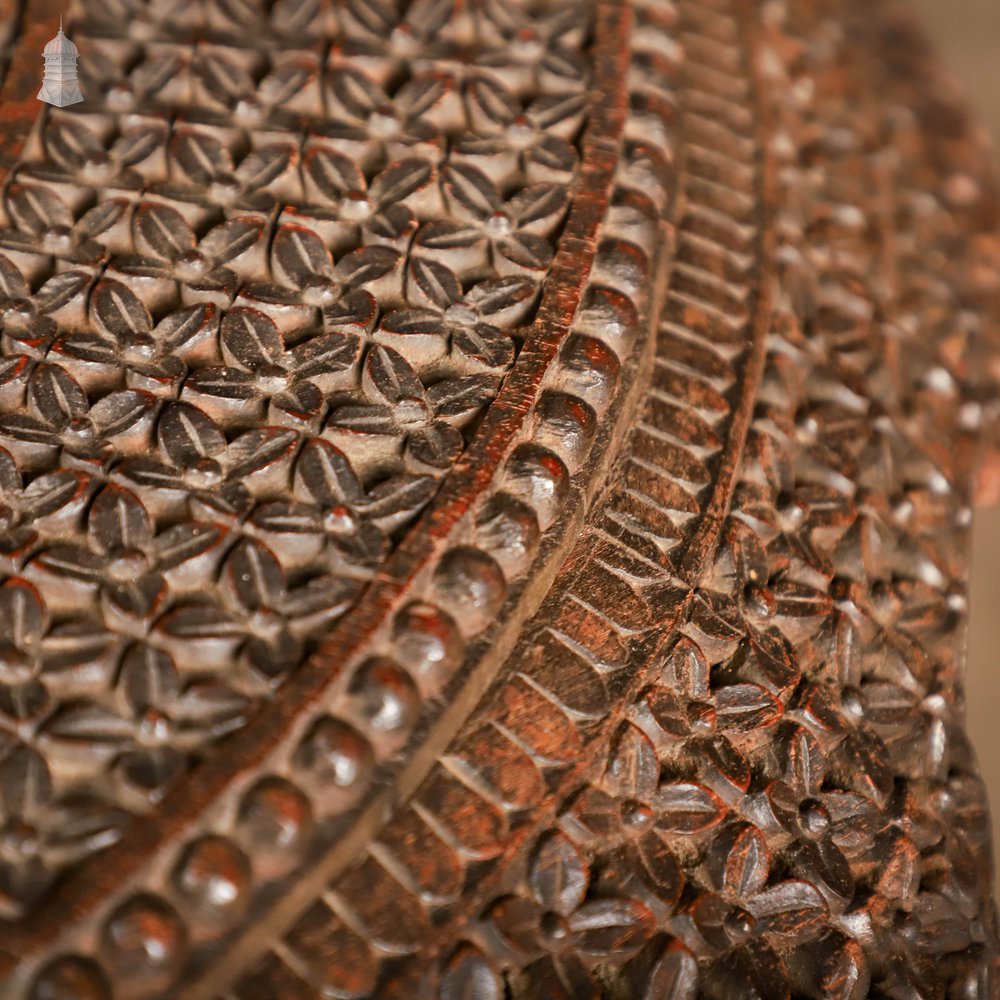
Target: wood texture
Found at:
x=485, y=497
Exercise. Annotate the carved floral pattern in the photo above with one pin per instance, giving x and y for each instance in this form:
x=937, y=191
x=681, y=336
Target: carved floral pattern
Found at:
x=271, y=322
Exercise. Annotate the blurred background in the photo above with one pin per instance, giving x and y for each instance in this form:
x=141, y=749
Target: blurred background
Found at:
x=967, y=33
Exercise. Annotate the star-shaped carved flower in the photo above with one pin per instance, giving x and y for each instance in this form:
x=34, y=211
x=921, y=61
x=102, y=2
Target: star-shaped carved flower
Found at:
x=357, y=521
x=41, y=832
x=470, y=328
x=58, y=420
x=125, y=562
x=634, y=809
x=199, y=473
x=820, y=830
x=50, y=503
x=373, y=129
x=260, y=370
x=350, y=212
x=488, y=234
x=39, y=661
x=153, y=724
x=561, y=928
x=748, y=920
x=404, y=420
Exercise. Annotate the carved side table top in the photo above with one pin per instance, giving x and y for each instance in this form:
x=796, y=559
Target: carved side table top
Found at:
x=484, y=503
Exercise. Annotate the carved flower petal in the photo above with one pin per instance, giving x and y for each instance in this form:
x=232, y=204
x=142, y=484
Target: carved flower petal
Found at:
x=559, y=874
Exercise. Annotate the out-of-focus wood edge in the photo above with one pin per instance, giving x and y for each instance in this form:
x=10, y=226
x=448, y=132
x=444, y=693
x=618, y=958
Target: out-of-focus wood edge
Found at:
x=9, y=23
x=987, y=485
x=938, y=94
x=25, y=27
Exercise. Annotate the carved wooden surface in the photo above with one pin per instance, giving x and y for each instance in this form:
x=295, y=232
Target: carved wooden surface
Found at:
x=484, y=502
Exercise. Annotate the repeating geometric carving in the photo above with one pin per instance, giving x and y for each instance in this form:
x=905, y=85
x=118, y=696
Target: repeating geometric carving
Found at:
x=756, y=805
x=484, y=507
x=250, y=367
